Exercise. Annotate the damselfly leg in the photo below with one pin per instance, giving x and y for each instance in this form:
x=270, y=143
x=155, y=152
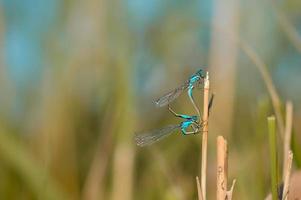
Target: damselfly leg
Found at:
x=179, y=115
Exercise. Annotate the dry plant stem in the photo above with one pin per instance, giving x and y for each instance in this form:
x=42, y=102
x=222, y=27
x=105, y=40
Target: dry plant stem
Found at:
x=222, y=169
x=198, y=185
x=205, y=135
x=287, y=134
x=261, y=66
x=287, y=175
x=230, y=192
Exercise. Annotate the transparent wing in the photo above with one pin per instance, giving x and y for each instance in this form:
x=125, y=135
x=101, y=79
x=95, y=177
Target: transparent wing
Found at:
x=151, y=137
x=171, y=96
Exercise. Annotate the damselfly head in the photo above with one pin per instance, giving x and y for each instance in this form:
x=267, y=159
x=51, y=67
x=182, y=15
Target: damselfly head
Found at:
x=194, y=118
x=201, y=73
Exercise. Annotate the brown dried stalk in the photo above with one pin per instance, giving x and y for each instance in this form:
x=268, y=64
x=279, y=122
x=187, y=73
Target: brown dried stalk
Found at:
x=230, y=192
x=287, y=175
x=205, y=136
x=198, y=185
x=221, y=170
x=287, y=134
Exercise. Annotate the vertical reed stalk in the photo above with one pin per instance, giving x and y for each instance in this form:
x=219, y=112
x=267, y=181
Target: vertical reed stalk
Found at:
x=198, y=185
x=222, y=168
x=205, y=136
x=287, y=134
x=273, y=156
x=287, y=175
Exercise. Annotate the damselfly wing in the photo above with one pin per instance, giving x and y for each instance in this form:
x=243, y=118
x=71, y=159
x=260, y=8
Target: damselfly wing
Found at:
x=151, y=137
x=172, y=95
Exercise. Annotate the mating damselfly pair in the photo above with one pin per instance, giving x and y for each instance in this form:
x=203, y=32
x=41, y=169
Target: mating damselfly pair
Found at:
x=191, y=123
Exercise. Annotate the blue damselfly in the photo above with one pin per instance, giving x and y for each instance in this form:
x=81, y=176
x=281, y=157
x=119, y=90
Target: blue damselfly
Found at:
x=189, y=122
x=175, y=93
x=151, y=137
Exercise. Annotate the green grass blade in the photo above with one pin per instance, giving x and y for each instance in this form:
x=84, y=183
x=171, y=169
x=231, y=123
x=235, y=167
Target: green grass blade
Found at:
x=296, y=148
x=273, y=156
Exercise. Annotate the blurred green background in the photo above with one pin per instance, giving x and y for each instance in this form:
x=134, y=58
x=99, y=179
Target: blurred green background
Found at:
x=79, y=78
